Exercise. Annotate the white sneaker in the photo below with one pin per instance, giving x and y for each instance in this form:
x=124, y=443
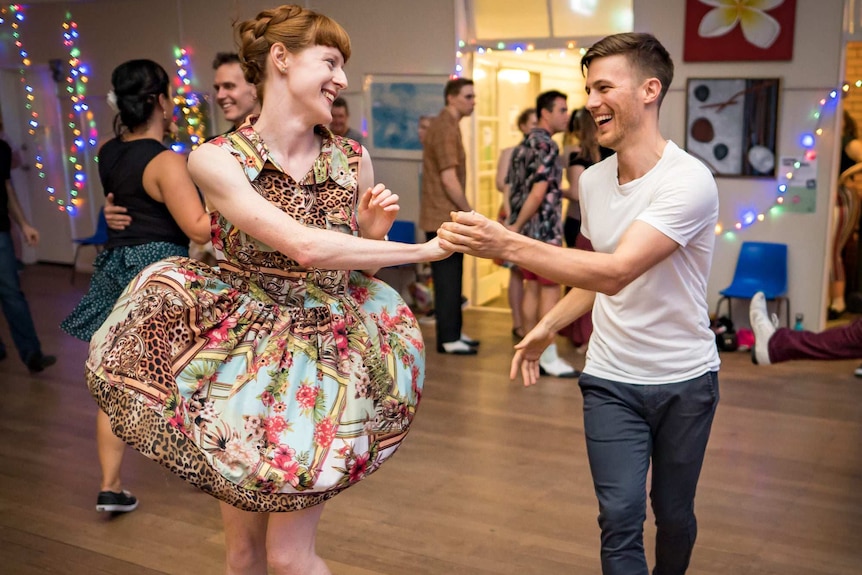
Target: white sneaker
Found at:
x=558, y=368
x=469, y=340
x=456, y=348
x=763, y=327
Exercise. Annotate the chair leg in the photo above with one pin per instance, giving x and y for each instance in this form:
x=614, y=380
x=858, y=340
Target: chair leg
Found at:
x=718, y=307
x=74, y=264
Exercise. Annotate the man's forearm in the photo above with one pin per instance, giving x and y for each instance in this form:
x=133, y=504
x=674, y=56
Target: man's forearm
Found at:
x=15, y=211
x=531, y=205
x=456, y=196
x=575, y=304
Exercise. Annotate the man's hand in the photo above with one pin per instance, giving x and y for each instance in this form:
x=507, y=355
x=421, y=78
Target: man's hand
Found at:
x=527, y=354
x=474, y=234
x=31, y=234
x=378, y=208
x=116, y=216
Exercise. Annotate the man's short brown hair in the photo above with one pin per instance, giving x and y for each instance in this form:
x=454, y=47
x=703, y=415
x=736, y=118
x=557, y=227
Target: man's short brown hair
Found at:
x=644, y=51
x=453, y=87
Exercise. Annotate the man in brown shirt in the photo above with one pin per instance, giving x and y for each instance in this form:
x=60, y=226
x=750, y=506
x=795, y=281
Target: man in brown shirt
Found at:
x=444, y=179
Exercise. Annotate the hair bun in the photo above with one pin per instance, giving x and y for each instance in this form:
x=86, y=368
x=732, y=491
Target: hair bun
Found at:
x=292, y=25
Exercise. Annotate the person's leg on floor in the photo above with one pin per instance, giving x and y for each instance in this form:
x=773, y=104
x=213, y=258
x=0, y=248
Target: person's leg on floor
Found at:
x=516, y=297
x=530, y=304
x=15, y=306
x=245, y=535
x=681, y=421
x=290, y=543
x=618, y=447
x=112, y=498
x=447, y=276
x=843, y=342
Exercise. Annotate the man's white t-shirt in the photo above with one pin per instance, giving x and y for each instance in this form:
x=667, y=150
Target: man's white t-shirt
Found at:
x=656, y=329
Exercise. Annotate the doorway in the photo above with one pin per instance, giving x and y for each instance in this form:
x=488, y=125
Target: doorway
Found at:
x=507, y=82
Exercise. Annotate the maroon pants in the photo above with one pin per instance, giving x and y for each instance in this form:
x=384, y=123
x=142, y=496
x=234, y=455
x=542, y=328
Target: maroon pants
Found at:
x=843, y=342
x=580, y=330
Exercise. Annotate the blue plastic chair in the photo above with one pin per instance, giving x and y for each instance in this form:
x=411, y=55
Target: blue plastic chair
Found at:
x=761, y=266
x=97, y=240
x=402, y=231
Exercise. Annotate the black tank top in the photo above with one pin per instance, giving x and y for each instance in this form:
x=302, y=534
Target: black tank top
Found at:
x=121, y=169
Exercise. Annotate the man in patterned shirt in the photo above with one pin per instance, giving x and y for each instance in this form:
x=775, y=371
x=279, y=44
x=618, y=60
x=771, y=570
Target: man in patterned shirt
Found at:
x=537, y=203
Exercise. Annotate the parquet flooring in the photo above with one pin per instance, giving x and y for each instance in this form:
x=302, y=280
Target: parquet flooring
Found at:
x=493, y=478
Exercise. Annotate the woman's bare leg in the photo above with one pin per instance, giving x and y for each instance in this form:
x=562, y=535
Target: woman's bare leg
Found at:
x=291, y=543
x=111, y=449
x=244, y=540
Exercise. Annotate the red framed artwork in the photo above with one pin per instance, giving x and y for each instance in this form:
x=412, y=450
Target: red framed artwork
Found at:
x=738, y=30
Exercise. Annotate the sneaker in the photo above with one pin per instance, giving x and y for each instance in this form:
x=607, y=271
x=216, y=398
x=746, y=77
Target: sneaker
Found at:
x=858, y=371
x=111, y=502
x=456, y=348
x=38, y=362
x=558, y=368
x=469, y=340
x=763, y=328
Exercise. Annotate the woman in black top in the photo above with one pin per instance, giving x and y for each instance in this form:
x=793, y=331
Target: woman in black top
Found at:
x=154, y=185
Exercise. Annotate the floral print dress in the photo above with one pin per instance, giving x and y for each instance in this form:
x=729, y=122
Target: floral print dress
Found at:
x=268, y=385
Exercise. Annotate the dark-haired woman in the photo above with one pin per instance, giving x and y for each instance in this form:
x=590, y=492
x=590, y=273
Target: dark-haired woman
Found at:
x=153, y=183
x=283, y=376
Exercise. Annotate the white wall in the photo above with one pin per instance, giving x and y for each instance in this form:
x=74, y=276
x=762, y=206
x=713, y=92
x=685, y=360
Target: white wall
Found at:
x=388, y=36
x=814, y=70
x=395, y=37
x=418, y=37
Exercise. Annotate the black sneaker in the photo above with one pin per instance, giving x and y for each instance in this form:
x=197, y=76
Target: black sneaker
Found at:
x=111, y=502
x=38, y=362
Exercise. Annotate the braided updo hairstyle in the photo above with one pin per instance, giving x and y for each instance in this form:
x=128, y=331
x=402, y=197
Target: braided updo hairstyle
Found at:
x=295, y=27
x=137, y=85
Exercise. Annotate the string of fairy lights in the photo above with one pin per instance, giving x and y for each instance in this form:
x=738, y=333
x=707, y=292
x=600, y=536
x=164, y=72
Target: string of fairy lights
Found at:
x=807, y=141
x=14, y=13
x=189, y=112
x=79, y=114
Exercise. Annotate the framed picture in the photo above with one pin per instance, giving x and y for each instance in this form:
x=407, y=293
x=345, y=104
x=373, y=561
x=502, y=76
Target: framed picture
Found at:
x=731, y=125
x=394, y=104
x=732, y=31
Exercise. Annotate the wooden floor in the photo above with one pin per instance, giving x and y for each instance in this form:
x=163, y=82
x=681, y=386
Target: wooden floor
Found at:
x=493, y=478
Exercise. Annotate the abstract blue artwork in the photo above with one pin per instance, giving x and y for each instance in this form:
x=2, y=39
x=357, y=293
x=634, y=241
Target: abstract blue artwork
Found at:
x=395, y=104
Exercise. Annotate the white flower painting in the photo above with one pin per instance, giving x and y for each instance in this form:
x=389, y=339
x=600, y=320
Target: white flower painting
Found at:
x=739, y=30
x=758, y=27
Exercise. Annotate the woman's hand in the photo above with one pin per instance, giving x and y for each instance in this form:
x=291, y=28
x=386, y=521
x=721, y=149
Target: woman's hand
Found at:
x=378, y=208
x=527, y=354
x=435, y=252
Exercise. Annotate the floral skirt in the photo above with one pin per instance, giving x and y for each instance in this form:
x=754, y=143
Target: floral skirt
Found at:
x=267, y=405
